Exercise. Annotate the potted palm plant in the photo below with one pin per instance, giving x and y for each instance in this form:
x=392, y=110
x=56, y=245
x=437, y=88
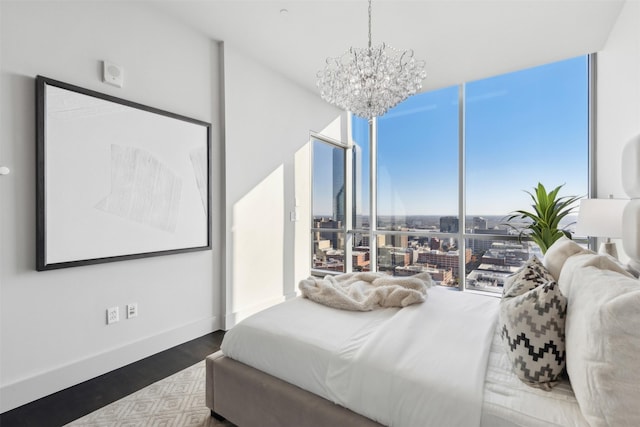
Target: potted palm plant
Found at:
x=543, y=223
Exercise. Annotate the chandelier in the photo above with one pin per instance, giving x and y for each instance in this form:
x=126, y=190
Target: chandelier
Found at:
x=369, y=81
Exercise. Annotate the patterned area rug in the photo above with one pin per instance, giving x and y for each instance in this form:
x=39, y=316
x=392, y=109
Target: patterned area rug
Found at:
x=176, y=401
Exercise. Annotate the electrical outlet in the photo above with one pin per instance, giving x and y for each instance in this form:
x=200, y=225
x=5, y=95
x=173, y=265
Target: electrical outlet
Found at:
x=113, y=315
x=132, y=310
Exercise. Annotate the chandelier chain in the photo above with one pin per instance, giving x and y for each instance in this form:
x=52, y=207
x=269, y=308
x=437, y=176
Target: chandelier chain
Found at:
x=369, y=24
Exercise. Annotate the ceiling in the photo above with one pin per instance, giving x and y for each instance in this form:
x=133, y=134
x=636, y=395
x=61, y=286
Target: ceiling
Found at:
x=459, y=40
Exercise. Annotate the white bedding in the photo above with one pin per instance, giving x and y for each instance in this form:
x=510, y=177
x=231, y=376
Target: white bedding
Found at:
x=311, y=346
x=423, y=367
x=508, y=402
x=296, y=340
x=400, y=367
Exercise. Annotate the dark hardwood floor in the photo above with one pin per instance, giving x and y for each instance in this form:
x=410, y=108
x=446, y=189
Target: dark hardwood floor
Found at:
x=72, y=403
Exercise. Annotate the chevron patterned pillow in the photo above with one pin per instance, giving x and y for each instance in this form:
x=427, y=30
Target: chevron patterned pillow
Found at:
x=530, y=276
x=532, y=329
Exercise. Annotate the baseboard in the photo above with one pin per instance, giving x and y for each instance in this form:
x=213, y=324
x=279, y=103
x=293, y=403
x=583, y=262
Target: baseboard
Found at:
x=290, y=295
x=35, y=387
x=231, y=319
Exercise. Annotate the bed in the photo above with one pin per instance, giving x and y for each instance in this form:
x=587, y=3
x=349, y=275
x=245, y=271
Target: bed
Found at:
x=311, y=351
x=300, y=363
x=303, y=364
x=446, y=361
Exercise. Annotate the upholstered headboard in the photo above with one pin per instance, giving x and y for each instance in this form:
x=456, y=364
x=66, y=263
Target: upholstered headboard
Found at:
x=631, y=215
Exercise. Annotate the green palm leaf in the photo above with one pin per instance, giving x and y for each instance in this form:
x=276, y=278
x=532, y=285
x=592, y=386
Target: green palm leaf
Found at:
x=544, y=220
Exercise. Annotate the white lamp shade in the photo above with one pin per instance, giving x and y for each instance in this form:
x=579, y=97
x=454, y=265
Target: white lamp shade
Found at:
x=631, y=221
x=600, y=218
x=631, y=167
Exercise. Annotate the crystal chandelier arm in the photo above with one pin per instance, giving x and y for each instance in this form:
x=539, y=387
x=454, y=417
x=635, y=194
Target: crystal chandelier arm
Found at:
x=355, y=57
x=402, y=61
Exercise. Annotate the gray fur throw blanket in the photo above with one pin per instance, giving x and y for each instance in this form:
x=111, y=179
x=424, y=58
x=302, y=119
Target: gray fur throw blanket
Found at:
x=366, y=291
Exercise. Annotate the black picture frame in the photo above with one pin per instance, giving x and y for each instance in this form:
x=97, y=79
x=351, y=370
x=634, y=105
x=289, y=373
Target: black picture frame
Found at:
x=117, y=180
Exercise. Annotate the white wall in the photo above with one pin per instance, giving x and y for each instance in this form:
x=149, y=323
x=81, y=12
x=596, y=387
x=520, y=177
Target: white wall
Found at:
x=267, y=125
x=52, y=324
x=618, y=100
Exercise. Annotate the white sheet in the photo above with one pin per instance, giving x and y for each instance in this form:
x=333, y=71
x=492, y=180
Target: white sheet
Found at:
x=508, y=402
x=295, y=340
x=400, y=367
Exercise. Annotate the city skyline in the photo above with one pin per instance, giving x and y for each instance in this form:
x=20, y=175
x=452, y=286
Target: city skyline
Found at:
x=420, y=223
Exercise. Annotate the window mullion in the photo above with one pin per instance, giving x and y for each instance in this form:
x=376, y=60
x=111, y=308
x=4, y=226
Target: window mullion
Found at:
x=373, y=193
x=592, y=63
x=348, y=202
x=462, y=244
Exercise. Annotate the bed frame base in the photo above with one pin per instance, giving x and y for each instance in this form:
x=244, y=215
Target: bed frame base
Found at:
x=250, y=398
x=217, y=416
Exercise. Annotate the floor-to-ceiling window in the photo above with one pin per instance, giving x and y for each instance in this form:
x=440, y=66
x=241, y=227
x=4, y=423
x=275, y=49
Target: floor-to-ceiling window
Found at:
x=416, y=185
x=328, y=205
x=521, y=128
x=445, y=168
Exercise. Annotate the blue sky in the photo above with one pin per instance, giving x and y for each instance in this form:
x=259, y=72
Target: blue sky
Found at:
x=521, y=128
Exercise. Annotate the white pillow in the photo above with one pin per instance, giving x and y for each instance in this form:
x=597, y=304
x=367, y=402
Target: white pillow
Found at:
x=558, y=253
x=579, y=261
x=603, y=345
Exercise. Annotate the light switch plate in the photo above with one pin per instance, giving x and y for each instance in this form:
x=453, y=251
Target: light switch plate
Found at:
x=132, y=310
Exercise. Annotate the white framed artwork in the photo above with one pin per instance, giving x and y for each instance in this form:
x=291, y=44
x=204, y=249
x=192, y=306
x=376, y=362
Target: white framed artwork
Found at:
x=117, y=180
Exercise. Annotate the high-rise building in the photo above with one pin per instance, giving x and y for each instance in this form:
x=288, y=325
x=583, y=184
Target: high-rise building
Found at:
x=336, y=238
x=434, y=244
x=380, y=239
x=390, y=257
x=360, y=261
x=449, y=224
x=479, y=223
x=481, y=245
x=440, y=276
x=398, y=240
x=445, y=260
x=400, y=259
x=321, y=245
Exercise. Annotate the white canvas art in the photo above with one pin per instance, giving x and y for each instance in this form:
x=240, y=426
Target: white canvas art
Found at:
x=200, y=167
x=142, y=189
x=118, y=180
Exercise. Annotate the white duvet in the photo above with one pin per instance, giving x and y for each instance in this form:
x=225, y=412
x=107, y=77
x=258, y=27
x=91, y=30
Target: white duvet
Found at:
x=423, y=365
